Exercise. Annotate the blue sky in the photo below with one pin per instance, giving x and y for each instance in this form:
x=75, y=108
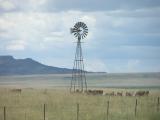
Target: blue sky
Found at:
x=124, y=35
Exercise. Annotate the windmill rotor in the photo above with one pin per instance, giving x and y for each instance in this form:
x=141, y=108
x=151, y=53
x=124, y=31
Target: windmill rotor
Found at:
x=79, y=30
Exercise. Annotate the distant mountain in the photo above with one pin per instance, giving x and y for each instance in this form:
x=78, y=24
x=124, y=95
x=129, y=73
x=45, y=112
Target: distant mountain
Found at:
x=12, y=66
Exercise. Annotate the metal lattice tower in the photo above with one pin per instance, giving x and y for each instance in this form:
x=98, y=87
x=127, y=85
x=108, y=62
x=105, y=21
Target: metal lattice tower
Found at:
x=78, y=82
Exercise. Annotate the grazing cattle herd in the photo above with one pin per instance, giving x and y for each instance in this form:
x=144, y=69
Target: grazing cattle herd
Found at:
x=121, y=93
x=101, y=92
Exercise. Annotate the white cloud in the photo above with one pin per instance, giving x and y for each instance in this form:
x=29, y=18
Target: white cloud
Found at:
x=6, y=23
x=16, y=45
x=90, y=20
x=34, y=5
x=42, y=30
x=7, y=5
x=31, y=27
x=138, y=13
x=37, y=2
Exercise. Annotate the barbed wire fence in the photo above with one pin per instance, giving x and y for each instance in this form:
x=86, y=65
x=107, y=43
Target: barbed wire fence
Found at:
x=79, y=111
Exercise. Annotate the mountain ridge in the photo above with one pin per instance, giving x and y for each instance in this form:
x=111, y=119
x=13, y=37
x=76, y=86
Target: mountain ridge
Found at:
x=11, y=66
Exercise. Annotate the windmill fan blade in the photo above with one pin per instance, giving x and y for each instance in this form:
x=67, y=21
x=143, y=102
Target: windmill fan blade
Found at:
x=81, y=24
x=79, y=30
x=77, y=35
x=78, y=25
x=85, y=34
x=75, y=26
x=84, y=25
x=86, y=31
x=86, y=28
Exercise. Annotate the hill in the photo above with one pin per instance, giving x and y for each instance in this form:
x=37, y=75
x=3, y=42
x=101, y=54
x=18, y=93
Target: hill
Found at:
x=12, y=66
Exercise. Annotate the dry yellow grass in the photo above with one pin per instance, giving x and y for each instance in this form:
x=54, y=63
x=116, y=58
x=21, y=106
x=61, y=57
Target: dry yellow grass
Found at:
x=61, y=105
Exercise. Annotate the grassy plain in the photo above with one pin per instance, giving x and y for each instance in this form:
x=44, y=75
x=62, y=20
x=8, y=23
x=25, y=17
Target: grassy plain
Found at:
x=62, y=105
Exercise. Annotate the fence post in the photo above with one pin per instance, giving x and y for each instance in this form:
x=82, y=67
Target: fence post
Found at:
x=44, y=110
x=25, y=115
x=136, y=107
x=4, y=113
x=157, y=104
x=77, y=111
x=107, y=109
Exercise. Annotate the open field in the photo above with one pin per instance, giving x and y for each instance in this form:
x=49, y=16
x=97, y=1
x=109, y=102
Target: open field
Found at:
x=23, y=98
x=62, y=105
x=113, y=80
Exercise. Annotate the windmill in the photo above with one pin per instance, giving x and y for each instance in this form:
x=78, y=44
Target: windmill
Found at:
x=78, y=82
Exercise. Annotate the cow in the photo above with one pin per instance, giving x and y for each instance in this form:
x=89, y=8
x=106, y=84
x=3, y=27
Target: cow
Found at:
x=16, y=90
x=129, y=94
x=140, y=93
x=95, y=92
x=119, y=93
x=78, y=91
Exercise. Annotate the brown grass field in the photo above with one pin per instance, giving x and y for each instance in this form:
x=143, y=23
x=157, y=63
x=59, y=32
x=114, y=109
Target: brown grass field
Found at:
x=62, y=105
